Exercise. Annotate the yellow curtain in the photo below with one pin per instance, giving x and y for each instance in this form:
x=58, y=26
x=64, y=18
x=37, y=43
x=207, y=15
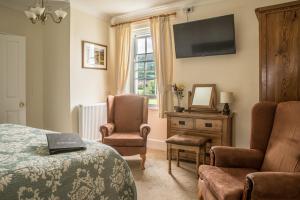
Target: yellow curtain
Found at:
x=163, y=54
x=123, y=50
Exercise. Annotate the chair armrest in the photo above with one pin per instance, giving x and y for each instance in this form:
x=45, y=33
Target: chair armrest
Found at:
x=222, y=156
x=145, y=130
x=272, y=185
x=107, y=129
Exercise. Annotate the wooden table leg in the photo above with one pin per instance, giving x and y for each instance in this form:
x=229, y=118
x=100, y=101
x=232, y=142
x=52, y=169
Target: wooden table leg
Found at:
x=178, y=151
x=197, y=158
x=204, y=154
x=169, y=156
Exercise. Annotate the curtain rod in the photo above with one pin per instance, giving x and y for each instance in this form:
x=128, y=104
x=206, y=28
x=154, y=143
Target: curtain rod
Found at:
x=143, y=19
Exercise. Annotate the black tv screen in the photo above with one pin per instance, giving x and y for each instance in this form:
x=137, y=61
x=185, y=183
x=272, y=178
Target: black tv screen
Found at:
x=214, y=36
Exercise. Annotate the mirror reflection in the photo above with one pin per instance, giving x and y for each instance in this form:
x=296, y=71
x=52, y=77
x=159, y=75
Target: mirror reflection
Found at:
x=202, y=96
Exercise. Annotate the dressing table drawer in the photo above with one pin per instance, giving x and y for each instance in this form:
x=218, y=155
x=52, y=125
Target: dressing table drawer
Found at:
x=184, y=123
x=209, y=125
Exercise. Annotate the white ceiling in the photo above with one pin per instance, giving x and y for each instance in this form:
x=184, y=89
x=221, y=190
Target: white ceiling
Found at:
x=25, y=4
x=117, y=7
x=107, y=8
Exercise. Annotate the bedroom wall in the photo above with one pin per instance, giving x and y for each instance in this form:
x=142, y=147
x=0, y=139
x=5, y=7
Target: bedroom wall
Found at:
x=88, y=86
x=57, y=115
x=238, y=73
x=15, y=23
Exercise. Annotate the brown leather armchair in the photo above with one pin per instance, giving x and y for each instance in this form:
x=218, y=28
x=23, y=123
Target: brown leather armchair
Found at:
x=269, y=170
x=127, y=129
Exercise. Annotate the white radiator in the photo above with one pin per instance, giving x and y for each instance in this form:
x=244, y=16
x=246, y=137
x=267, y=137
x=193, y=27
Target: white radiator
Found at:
x=91, y=117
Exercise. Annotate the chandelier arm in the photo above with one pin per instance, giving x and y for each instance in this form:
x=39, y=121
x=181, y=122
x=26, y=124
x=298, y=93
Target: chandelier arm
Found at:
x=53, y=18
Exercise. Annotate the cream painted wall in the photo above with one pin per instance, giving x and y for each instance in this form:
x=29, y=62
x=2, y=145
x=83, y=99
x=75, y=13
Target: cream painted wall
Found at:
x=13, y=22
x=56, y=83
x=88, y=86
x=238, y=73
x=57, y=115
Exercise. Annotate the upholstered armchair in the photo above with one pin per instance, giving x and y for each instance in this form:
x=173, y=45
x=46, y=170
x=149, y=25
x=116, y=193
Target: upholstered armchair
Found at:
x=127, y=129
x=269, y=170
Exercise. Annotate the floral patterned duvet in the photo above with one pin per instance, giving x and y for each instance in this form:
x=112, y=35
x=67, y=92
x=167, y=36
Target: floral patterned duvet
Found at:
x=27, y=171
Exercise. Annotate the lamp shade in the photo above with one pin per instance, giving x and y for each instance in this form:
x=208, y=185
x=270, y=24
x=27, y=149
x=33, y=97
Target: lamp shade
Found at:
x=61, y=13
x=226, y=97
x=37, y=10
x=30, y=14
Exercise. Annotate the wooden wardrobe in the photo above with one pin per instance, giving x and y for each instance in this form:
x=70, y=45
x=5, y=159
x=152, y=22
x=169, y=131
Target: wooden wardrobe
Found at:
x=279, y=28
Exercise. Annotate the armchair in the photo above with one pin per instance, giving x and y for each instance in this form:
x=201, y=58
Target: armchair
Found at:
x=127, y=129
x=269, y=170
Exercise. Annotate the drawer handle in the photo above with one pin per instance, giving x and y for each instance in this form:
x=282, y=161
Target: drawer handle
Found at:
x=208, y=125
x=181, y=122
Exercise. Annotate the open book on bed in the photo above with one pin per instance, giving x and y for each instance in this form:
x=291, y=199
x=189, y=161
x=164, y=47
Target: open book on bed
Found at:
x=64, y=142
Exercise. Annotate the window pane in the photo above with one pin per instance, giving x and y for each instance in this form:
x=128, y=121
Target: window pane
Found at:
x=149, y=57
x=141, y=87
x=150, y=88
x=140, y=58
x=141, y=75
x=149, y=45
x=139, y=66
x=150, y=66
x=144, y=69
x=150, y=75
x=141, y=45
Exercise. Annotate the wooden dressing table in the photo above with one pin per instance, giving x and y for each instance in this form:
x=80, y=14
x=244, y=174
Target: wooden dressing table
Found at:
x=206, y=122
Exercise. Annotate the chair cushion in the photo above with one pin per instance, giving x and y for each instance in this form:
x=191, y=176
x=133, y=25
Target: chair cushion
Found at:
x=283, y=152
x=188, y=140
x=128, y=113
x=124, y=140
x=224, y=183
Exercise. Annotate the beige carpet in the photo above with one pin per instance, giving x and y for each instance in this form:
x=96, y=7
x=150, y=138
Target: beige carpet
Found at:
x=155, y=183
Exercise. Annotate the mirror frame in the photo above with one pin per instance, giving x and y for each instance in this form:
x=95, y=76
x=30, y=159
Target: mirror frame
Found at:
x=212, y=107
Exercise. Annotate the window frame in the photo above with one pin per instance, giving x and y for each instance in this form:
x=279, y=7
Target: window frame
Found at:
x=145, y=36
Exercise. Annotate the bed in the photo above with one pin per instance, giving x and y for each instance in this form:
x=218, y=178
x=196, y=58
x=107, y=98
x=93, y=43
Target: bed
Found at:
x=27, y=171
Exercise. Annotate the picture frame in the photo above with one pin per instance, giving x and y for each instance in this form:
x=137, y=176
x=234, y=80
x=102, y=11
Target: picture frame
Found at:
x=94, y=56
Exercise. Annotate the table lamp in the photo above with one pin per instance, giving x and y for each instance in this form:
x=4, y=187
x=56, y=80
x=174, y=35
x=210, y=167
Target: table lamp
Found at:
x=226, y=98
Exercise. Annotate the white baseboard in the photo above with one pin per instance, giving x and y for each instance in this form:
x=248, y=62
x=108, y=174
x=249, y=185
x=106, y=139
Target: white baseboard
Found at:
x=156, y=144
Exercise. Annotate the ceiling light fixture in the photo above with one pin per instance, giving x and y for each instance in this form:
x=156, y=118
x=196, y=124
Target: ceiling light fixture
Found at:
x=40, y=13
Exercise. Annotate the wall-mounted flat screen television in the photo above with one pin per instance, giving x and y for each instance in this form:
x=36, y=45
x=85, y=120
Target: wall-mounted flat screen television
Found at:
x=214, y=36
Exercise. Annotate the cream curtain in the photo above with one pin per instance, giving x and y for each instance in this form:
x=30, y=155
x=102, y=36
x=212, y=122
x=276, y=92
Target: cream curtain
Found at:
x=123, y=51
x=163, y=54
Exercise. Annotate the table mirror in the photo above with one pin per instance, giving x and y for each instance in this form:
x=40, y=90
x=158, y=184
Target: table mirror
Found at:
x=203, y=98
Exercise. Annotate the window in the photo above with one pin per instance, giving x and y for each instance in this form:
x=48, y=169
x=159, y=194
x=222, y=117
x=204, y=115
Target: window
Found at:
x=144, y=74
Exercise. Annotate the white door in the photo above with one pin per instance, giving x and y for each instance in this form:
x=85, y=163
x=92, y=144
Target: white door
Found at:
x=12, y=80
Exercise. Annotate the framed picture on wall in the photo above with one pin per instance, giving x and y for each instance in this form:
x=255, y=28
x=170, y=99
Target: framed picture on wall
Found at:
x=94, y=56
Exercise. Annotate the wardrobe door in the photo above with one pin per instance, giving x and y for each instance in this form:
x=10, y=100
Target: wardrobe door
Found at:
x=279, y=54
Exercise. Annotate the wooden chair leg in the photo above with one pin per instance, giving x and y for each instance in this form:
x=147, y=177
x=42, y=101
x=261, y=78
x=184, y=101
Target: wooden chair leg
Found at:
x=178, y=152
x=198, y=159
x=169, y=157
x=204, y=154
x=143, y=157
